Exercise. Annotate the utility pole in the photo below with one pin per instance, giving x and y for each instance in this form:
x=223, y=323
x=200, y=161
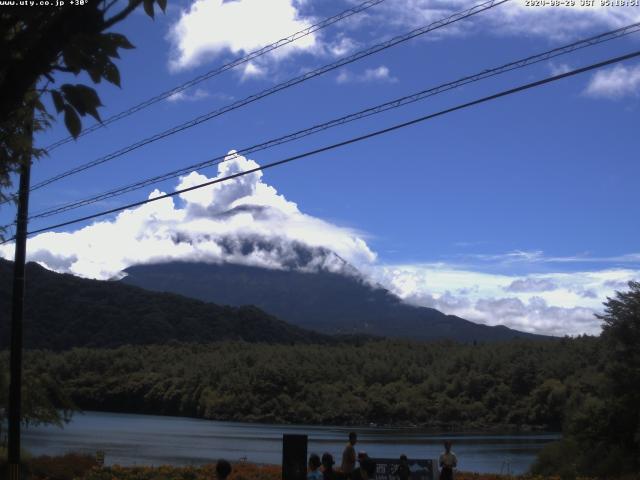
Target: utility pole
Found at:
x=17, y=310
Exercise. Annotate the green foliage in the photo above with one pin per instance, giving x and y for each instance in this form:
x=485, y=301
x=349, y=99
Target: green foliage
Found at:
x=43, y=398
x=443, y=385
x=63, y=311
x=602, y=419
x=37, y=44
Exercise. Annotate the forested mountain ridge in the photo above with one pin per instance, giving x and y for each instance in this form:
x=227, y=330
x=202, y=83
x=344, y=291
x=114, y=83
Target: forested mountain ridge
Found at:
x=63, y=311
x=323, y=301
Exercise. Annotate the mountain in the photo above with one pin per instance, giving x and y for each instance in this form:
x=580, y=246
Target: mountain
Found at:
x=330, y=302
x=63, y=311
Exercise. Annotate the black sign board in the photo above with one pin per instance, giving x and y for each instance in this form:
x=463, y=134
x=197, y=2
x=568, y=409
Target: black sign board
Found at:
x=294, y=457
x=420, y=469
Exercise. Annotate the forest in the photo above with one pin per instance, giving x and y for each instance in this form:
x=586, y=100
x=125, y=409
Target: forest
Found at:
x=440, y=385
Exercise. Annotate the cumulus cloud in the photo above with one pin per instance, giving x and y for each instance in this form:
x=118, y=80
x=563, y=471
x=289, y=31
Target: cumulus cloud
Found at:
x=211, y=27
x=378, y=74
x=531, y=285
x=614, y=83
x=242, y=221
x=554, y=303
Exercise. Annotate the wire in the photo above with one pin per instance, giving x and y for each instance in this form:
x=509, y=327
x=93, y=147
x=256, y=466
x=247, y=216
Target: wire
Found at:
x=217, y=71
x=399, y=102
x=289, y=83
x=350, y=141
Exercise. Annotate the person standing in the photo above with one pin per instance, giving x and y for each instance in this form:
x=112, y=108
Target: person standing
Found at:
x=448, y=461
x=349, y=455
x=403, y=472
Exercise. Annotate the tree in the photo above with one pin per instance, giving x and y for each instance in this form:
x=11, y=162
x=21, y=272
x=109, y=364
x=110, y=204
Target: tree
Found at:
x=621, y=334
x=601, y=434
x=38, y=42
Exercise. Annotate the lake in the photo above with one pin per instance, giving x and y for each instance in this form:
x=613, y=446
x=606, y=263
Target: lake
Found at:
x=130, y=439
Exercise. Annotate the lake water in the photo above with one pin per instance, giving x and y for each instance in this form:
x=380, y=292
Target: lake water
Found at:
x=153, y=440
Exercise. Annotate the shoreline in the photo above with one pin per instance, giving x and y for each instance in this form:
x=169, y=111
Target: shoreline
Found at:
x=431, y=429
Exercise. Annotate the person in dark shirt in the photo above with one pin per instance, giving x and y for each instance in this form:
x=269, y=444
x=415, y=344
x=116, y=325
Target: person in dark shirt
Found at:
x=403, y=472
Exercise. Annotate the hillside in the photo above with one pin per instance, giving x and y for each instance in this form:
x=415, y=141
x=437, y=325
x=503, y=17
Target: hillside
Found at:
x=322, y=301
x=63, y=311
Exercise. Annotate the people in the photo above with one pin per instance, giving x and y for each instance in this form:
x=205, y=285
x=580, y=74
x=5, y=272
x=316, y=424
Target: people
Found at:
x=328, y=472
x=223, y=469
x=448, y=462
x=314, y=468
x=366, y=470
x=403, y=472
x=349, y=455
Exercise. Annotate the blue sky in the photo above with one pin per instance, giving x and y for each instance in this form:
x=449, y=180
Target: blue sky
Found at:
x=521, y=211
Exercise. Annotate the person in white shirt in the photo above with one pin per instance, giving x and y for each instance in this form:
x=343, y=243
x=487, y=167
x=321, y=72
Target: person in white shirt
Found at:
x=448, y=461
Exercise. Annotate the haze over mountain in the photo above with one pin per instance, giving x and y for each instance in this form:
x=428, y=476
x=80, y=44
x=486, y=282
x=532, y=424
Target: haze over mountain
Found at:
x=332, y=301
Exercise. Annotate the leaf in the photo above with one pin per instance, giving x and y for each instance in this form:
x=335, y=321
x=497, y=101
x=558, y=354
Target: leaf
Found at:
x=111, y=73
x=58, y=102
x=95, y=72
x=84, y=99
x=72, y=59
x=162, y=4
x=72, y=121
x=148, y=7
x=119, y=40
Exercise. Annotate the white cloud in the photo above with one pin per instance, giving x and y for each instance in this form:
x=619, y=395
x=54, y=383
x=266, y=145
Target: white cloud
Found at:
x=183, y=96
x=378, y=74
x=253, y=70
x=614, y=83
x=555, y=303
x=559, y=68
x=512, y=18
x=242, y=221
x=531, y=285
x=212, y=27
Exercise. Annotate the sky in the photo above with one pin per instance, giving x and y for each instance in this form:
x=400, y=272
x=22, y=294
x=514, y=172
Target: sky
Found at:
x=522, y=211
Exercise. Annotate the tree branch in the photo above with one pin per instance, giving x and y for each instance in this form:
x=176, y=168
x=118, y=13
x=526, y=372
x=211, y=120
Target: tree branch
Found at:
x=133, y=4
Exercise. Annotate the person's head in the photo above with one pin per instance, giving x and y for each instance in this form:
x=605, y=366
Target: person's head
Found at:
x=223, y=469
x=447, y=446
x=327, y=461
x=353, y=438
x=314, y=462
x=403, y=458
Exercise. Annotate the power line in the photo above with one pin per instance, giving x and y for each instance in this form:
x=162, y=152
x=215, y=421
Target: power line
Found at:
x=270, y=91
x=221, y=69
x=399, y=102
x=350, y=141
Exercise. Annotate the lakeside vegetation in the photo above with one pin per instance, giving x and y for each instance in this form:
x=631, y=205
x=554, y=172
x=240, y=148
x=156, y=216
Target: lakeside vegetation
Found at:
x=442, y=385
